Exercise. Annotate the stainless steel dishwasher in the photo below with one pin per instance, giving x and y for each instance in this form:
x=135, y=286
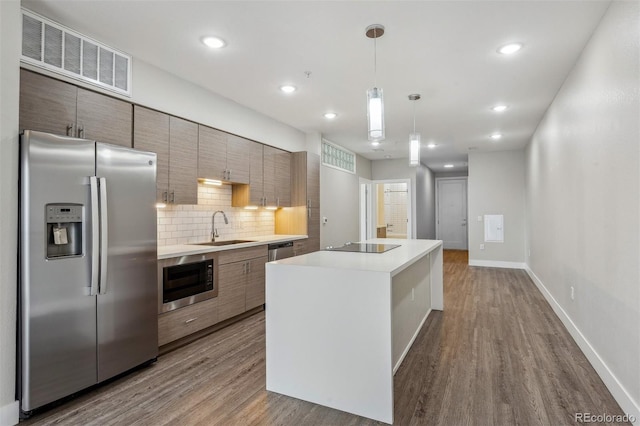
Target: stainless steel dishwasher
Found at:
x=279, y=251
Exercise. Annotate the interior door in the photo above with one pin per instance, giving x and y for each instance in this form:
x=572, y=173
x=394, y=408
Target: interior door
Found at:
x=127, y=308
x=452, y=213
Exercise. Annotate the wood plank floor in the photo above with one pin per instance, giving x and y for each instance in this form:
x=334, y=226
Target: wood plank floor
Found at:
x=497, y=355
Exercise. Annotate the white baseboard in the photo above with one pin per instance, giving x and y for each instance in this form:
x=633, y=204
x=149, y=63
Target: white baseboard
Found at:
x=10, y=414
x=620, y=394
x=497, y=264
x=406, y=350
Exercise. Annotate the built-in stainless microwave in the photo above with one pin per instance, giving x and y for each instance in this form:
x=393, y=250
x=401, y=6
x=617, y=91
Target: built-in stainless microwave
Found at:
x=186, y=280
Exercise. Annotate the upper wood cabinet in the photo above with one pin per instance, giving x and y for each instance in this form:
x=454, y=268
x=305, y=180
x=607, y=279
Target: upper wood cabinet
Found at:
x=304, y=217
x=183, y=154
x=175, y=142
x=223, y=156
x=270, y=183
x=277, y=177
x=53, y=106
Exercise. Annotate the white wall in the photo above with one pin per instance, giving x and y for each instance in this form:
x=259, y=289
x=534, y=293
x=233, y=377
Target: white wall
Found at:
x=9, y=86
x=340, y=203
x=496, y=186
x=583, y=202
x=158, y=89
x=425, y=203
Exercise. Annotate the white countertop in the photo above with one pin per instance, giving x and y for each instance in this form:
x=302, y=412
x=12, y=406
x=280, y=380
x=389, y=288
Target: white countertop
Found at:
x=392, y=261
x=166, y=252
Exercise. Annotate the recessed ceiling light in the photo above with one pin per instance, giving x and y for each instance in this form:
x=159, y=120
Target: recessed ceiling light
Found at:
x=330, y=115
x=432, y=145
x=387, y=156
x=288, y=88
x=448, y=166
x=499, y=108
x=496, y=136
x=214, y=42
x=510, y=48
x=375, y=143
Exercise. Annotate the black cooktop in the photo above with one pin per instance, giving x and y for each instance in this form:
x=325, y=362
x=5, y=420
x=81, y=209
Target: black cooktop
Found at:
x=364, y=247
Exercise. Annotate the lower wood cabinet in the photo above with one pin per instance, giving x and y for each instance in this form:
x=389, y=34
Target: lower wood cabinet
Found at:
x=185, y=321
x=241, y=276
x=240, y=281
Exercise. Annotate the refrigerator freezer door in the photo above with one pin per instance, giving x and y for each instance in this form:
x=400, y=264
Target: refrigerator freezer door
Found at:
x=57, y=340
x=128, y=309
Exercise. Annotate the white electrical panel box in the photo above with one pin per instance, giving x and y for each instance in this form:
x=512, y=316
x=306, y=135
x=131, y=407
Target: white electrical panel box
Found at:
x=494, y=228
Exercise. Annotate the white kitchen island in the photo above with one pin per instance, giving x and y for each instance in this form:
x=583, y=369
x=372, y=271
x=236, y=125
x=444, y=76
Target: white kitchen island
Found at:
x=338, y=324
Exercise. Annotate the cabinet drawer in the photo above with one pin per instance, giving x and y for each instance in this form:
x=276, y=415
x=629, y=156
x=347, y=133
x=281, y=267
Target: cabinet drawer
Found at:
x=184, y=321
x=238, y=255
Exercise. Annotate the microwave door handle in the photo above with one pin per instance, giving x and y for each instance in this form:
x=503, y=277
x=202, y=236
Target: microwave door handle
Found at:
x=95, y=236
x=104, y=235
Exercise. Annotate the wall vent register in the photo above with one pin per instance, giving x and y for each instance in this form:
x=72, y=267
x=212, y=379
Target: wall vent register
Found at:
x=49, y=45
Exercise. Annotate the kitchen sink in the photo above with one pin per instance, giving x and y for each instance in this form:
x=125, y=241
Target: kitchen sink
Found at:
x=224, y=243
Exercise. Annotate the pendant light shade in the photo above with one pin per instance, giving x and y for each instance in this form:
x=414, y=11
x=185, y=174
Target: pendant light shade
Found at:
x=375, y=103
x=375, y=114
x=414, y=138
x=414, y=149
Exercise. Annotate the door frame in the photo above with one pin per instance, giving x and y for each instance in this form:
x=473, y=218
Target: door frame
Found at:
x=366, y=192
x=466, y=180
x=370, y=230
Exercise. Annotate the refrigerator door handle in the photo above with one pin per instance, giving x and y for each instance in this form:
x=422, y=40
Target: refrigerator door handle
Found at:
x=104, y=235
x=95, y=236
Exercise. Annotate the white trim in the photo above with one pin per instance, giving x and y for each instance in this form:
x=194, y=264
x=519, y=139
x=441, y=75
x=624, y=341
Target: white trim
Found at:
x=10, y=414
x=619, y=393
x=497, y=264
x=411, y=232
x=413, y=339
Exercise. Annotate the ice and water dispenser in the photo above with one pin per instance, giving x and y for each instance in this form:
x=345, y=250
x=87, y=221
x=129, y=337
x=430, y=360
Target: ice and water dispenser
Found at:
x=64, y=230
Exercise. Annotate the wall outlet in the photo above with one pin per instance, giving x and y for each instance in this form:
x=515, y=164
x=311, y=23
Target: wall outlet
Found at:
x=573, y=293
x=481, y=246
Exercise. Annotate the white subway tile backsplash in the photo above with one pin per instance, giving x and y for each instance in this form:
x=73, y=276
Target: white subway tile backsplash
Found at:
x=184, y=224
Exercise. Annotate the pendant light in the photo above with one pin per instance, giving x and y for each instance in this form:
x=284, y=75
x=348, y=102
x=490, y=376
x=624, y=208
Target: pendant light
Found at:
x=375, y=105
x=414, y=138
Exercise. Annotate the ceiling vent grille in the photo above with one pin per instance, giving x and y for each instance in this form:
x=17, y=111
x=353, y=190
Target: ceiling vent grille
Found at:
x=54, y=47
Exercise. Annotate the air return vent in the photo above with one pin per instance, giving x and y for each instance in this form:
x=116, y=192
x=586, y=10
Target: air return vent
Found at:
x=50, y=45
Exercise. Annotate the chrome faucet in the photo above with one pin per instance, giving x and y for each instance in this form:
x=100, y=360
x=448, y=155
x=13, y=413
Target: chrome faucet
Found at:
x=214, y=230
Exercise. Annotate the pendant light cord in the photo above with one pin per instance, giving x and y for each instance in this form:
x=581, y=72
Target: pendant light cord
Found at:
x=414, y=115
x=375, y=58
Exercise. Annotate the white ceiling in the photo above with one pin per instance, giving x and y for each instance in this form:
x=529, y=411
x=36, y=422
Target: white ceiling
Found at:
x=443, y=50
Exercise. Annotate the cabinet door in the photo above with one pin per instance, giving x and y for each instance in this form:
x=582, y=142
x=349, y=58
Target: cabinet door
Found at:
x=183, y=156
x=151, y=133
x=237, y=164
x=46, y=104
x=313, y=180
x=313, y=230
x=283, y=178
x=256, y=192
x=103, y=118
x=212, y=153
x=255, y=282
x=184, y=321
x=269, y=174
x=231, y=289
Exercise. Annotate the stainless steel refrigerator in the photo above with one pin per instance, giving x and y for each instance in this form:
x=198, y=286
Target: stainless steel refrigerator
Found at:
x=88, y=304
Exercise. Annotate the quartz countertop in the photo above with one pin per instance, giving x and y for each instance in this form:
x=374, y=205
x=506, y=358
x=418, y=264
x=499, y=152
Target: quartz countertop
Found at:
x=392, y=261
x=166, y=252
